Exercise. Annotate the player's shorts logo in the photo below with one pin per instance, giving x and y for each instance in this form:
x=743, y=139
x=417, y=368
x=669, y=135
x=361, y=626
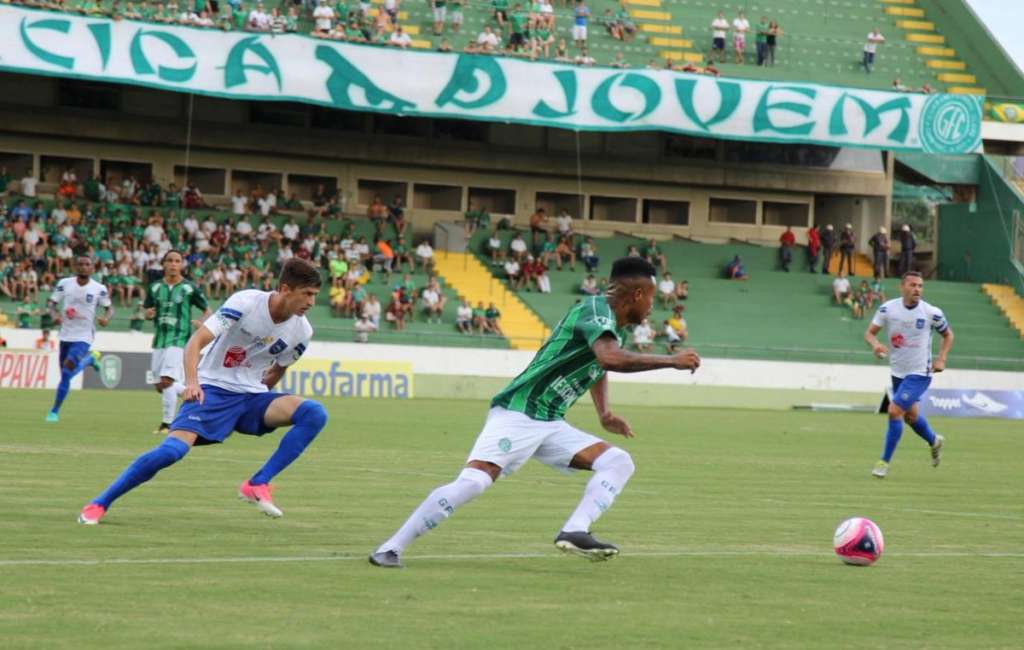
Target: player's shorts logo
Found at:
x=505, y=445
x=897, y=340
x=234, y=357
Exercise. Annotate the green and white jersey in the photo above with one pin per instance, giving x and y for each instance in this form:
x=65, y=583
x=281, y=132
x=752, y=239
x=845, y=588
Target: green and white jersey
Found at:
x=173, y=304
x=565, y=367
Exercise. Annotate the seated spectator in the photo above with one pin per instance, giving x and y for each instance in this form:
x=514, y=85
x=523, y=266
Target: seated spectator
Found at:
x=626, y=25
x=667, y=290
x=734, y=270
x=678, y=323
x=584, y=58
x=402, y=255
x=476, y=218
x=363, y=327
x=672, y=339
x=841, y=290
x=620, y=61
x=588, y=254
x=541, y=40
x=632, y=251
x=539, y=275
x=494, y=320
x=787, y=240
x=643, y=336
x=653, y=254
x=861, y=300
x=487, y=41
x=514, y=274
x=371, y=310
x=588, y=286
x=464, y=318
x=611, y=25
x=433, y=302
x=396, y=313
x=400, y=39
x=340, y=297
x=877, y=291
x=683, y=290
x=480, y=318
x=562, y=52
x=564, y=252
x=68, y=184
x=425, y=256
x=517, y=248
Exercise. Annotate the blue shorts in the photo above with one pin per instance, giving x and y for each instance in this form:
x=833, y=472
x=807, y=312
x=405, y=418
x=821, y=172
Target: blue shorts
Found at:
x=224, y=411
x=73, y=350
x=908, y=391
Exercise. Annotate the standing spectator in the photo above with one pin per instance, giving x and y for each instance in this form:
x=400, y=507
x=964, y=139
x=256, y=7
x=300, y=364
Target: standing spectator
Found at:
x=879, y=243
x=440, y=10
x=323, y=17
x=907, y=245
x=643, y=336
x=740, y=27
x=774, y=32
x=564, y=223
x=519, y=22
x=828, y=245
x=813, y=248
x=761, y=41
x=579, y=28
x=500, y=13
x=396, y=214
x=719, y=30
x=667, y=290
x=588, y=254
x=464, y=318
x=874, y=38
x=841, y=289
x=456, y=15
x=787, y=241
x=847, y=243
x=538, y=226
x=28, y=184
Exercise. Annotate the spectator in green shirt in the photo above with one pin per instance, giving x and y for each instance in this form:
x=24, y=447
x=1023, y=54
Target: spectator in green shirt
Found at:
x=26, y=310
x=761, y=39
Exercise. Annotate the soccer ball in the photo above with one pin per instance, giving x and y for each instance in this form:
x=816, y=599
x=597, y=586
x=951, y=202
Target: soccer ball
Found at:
x=858, y=541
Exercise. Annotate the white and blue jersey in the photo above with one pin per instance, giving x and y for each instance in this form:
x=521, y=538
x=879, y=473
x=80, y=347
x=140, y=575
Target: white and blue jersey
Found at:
x=909, y=331
x=247, y=343
x=77, y=304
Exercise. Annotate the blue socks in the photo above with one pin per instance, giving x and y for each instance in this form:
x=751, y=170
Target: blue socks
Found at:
x=65, y=380
x=308, y=419
x=892, y=435
x=892, y=438
x=144, y=468
x=921, y=428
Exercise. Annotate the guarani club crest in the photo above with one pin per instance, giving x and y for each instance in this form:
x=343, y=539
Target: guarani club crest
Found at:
x=949, y=124
x=110, y=370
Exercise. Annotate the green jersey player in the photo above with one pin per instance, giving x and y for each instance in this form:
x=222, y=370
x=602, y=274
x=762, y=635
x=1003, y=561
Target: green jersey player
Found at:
x=526, y=418
x=169, y=305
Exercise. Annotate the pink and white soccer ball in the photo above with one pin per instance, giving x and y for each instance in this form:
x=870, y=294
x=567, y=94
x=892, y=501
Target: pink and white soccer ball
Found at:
x=858, y=541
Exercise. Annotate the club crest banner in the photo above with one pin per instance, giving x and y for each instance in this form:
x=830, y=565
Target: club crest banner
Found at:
x=356, y=77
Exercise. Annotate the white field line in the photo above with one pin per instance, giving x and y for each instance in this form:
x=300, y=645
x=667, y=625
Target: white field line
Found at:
x=485, y=556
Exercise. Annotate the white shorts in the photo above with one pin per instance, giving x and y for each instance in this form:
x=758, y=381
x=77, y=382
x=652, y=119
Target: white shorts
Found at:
x=440, y=13
x=579, y=32
x=167, y=362
x=457, y=17
x=509, y=439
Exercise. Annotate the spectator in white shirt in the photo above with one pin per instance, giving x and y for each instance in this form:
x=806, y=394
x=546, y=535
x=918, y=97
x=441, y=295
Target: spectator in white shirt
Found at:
x=153, y=233
x=243, y=228
x=643, y=336
x=667, y=290
x=191, y=225
x=259, y=20
x=518, y=247
x=487, y=40
x=874, y=38
x=513, y=274
x=841, y=289
x=494, y=249
x=239, y=203
x=266, y=230
x=464, y=318
x=425, y=256
x=564, y=222
x=209, y=225
x=28, y=184
x=291, y=230
x=433, y=303
x=372, y=310
x=588, y=286
x=400, y=39
x=363, y=328
x=267, y=203
x=740, y=27
x=719, y=30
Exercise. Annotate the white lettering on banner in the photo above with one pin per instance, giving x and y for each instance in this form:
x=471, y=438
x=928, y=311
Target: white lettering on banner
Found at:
x=24, y=369
x=407, y=82
x=945, y=403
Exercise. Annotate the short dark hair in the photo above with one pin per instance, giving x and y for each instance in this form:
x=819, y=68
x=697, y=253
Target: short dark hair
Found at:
x=911, y=274
x=173, y=250
x=297, y=273
x=626, y=268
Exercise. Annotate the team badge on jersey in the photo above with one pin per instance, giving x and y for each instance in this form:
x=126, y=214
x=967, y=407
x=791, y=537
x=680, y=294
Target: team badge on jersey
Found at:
x=278, y=347
x=89, y=297
x=919, y=324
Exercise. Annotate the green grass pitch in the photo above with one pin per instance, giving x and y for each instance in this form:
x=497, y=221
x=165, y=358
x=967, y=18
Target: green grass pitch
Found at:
x=725, y=533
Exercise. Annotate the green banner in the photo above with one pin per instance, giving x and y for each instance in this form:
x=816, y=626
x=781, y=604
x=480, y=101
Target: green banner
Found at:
x=480, y=87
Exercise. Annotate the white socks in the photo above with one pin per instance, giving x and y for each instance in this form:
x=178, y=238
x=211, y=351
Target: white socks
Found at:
x=169, y=401
x=437, y=507
x=612, y=470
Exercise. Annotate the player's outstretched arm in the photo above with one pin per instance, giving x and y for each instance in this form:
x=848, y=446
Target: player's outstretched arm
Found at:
x=611, y=357
x=947, y=344
x=871, y=338
x=199, y=340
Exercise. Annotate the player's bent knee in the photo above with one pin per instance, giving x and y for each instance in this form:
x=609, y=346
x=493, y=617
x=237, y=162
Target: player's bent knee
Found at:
x=478, y=479
x=619, y=459
x=310, y=413
x=895, y=412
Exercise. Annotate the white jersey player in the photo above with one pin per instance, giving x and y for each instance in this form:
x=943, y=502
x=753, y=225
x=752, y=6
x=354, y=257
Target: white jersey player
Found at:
x=247, y=346
x=909, y=323
x=73, y=306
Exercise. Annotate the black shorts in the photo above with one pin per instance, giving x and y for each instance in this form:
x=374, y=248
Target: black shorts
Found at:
x=517, y=38
x=718, y=44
